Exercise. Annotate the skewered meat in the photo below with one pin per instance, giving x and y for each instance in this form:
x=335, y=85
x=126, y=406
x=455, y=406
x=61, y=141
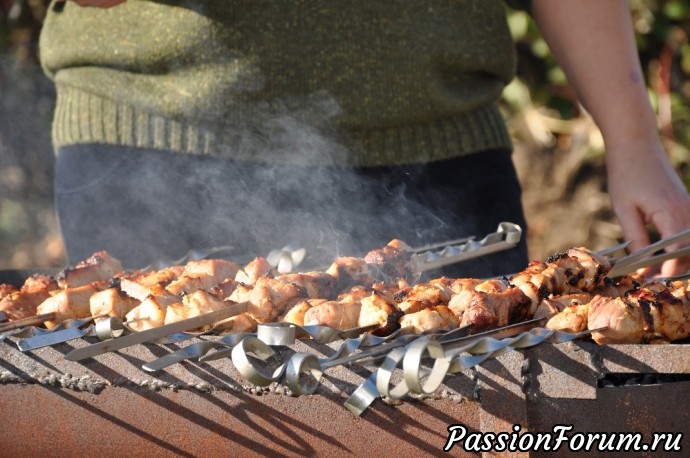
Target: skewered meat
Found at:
x=618, y=286
x=555, y=305
x=576, y=270
x=349, y=271
x=493, y=310
x=203, y=274
x=7, y=289
x=573, y=318
x=641, y=315
x=356, y=292
x=464, y=290
x=295, y=313
x=111, y=302
x=653, y=312
x=394, y=261
x=224, y=289
x=422, y=296
x=149, y=314
x=428, y=319
x=141, y=285
x=194, y=304
x=267, y=298
x=315, y=284
x=335, y=314
x=376, y=309
x=257, y=268
x=23, y=303
x=70, y=303
x=100, y=266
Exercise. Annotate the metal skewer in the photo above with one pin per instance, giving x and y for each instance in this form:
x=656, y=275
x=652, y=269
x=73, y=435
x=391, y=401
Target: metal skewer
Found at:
x=636, y=260
x=28, y=321
x=156, y=333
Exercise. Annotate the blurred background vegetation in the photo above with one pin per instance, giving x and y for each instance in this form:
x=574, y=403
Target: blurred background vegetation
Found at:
x=559, y=152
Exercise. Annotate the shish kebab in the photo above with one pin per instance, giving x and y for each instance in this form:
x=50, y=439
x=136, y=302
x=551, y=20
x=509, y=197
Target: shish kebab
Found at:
x=350, y=293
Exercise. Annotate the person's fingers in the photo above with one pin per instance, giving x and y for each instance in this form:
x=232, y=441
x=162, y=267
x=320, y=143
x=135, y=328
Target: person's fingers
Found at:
x=668, y=224
x=634, y=228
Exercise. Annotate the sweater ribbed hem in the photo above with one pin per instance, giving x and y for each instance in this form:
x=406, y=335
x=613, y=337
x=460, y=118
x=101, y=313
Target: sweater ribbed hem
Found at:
x=84, y=118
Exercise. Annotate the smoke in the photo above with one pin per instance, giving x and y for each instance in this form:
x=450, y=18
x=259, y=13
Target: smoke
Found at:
x=285, y=179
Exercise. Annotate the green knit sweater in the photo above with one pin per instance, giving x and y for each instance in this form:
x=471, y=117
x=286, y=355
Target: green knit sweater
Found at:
x=363, y=83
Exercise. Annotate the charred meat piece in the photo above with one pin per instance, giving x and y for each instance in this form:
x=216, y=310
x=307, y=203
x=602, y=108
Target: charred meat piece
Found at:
x=349, y=271
x=394, y=261
x=574, y=271
x=315, y=284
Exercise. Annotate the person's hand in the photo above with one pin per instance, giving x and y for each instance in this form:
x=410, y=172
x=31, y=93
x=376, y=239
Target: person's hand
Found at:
x=594, y=43
x=645, y=190
x=99, y=3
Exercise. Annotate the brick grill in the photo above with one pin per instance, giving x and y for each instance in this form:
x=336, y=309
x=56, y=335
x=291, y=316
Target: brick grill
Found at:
x=108, y=406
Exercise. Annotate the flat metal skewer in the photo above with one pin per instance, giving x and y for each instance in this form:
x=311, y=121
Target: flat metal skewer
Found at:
x=636, y=260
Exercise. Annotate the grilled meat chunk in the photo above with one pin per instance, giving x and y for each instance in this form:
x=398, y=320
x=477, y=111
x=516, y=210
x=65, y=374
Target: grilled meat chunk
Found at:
x=69, y=303
x=349, y=271
x=573, y=318
x=337, y=315
x=149, y=314
x=203, y=274
x=194, y=304
x=495, y=310
x=111, y=302
x=267, y=299
x=295, y=314
x=315, y=284
x=428, y=319
x=23, y=303
x=555, y=305
x=100, y=266
x=141, y=285
x=394, y=261
x=257, y=268
x=423, y=295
